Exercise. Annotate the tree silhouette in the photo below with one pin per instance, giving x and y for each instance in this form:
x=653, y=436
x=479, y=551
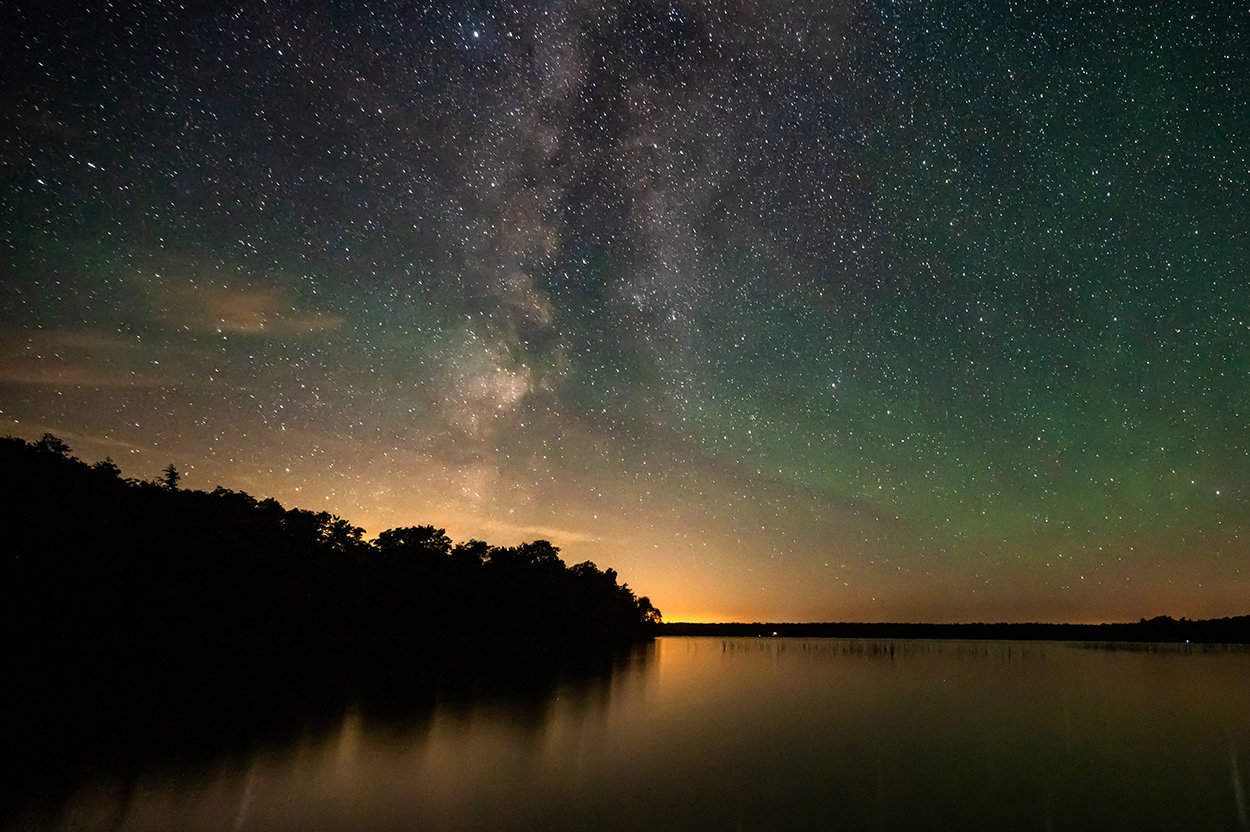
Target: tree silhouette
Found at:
x=470, y=554
x=99, y=568
x=423, y=543
x=650, y=615
x=53, y=445
x=538, y=554
x=108, y=468
x=170, y=477
x=341, y=536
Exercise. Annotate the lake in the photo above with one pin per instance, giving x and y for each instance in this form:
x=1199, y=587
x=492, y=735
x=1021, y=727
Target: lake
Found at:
x=728, y=734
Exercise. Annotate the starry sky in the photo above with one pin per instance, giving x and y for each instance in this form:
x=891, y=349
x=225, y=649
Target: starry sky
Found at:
x=875, y=310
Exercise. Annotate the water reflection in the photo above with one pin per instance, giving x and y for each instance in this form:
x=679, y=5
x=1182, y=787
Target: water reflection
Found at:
x=723, y=733
x=116, y=748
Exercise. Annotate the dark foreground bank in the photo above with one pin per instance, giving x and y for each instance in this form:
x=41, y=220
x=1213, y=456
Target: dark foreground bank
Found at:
x=99, y=565
x=143, y=621
x=1233, y=630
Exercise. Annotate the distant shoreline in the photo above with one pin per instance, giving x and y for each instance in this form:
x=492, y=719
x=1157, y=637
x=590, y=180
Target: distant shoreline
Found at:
x=1161, y=629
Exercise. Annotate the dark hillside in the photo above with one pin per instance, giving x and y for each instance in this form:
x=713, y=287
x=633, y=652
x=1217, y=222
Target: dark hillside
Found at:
x=100, y=567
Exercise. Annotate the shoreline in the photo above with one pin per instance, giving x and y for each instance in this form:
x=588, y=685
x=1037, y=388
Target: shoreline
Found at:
x=1160, y=630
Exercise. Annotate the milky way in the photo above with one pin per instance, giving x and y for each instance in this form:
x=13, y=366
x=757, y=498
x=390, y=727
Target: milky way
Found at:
x=889, y=310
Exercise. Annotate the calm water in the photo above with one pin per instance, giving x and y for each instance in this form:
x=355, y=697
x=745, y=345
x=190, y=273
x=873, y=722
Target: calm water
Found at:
x=725, y=734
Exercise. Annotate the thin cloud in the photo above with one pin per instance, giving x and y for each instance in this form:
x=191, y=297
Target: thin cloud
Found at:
x=77, y=358
x=269, y=310
x=88, y=446
x=526, y=532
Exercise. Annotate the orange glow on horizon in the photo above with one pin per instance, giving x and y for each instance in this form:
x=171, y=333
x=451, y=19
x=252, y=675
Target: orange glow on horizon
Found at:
x=710, y=618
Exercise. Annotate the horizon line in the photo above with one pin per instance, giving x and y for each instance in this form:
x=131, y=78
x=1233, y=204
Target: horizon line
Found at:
x=983, y=623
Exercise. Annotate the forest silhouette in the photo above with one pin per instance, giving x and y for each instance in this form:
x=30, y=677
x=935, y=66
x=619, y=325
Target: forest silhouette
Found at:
x=98, y=566
x=147, y=623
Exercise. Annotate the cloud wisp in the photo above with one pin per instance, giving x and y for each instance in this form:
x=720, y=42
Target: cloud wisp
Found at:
x=212, y=307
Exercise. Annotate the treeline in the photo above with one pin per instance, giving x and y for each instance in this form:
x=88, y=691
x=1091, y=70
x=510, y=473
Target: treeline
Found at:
x=97, y=565
x=1233, y=630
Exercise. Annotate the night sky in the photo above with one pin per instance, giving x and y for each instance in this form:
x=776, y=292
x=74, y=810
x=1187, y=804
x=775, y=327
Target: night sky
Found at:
x=809, y=311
